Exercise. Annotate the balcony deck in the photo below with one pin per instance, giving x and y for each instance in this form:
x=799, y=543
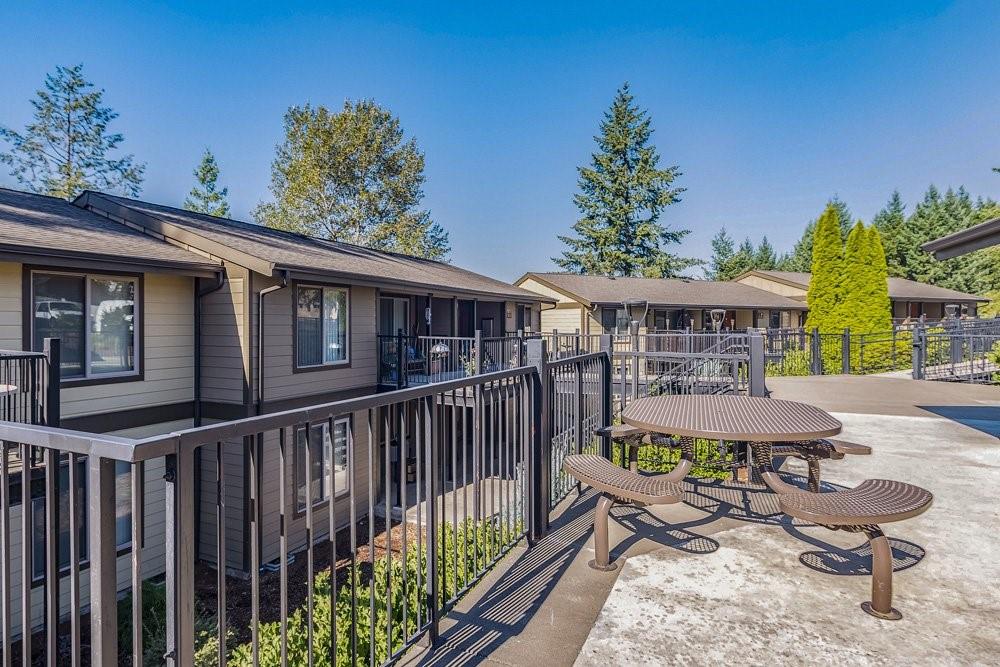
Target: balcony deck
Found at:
x=719, y=578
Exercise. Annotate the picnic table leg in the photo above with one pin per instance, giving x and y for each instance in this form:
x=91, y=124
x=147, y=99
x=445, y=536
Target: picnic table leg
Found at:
x=602, y=556
x=761, y=455
x=881, y=602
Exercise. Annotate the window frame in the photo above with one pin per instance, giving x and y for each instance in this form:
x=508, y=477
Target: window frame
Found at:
x=37, y=481
x=322, y=502
x=323, y=365
x=138, y=325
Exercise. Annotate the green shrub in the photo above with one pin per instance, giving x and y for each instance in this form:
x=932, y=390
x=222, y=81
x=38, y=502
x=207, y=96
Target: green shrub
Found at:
x=154, y=629
x=462, y=553
x=664, y=459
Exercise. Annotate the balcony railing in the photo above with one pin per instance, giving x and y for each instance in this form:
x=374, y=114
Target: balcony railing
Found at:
x=367, y=519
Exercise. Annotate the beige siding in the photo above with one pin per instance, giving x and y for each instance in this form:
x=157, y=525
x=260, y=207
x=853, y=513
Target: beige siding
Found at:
x=280, y=380
x=270, y=524
x=224, y=345
x=534, y=286
x=168, y=346
x=773, y=286
x=564, y=320
x=153, y=549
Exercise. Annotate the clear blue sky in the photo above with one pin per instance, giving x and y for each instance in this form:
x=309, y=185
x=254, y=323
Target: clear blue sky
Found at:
x=769, y=108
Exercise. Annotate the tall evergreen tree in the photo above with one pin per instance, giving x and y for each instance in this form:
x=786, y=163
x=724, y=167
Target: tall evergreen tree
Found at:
x=622, y=195
x=877, y=307
x=824, y=295
x=67, y=148
x=890, y=222
x=352, y=176
x=765, y=258
x=800, y=258
x=723, y=249
x=854, y=279
x=206, y=196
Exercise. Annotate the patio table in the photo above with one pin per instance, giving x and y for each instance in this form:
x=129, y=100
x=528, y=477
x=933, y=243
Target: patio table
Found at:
x=756, y=420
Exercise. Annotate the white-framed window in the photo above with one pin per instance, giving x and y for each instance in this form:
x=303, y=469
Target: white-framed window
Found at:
x=94, y=316
x=123, y=515
x=328, y=452
x=322, y=323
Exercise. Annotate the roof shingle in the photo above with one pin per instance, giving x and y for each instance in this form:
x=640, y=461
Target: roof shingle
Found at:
x=37, y=224
x=899, y=288
x=666, y=291
x=289, y=250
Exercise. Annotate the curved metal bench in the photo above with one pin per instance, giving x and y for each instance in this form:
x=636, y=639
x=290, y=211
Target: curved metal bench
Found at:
x=633, y=438
x=617, y=484
x=857, y=510
x=814, y=451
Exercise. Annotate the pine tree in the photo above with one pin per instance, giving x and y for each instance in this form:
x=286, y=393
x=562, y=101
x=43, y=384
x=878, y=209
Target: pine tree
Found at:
x=622, y=195
x=352, y=176
x=206, y=196
x=67, y=148
x=891, y=223
x=765, y=258
x=800, y=258
x=723, y=250
x=824, y=295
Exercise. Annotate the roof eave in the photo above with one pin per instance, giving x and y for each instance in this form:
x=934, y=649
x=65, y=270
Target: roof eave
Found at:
x=980, y=236
x=68, y=258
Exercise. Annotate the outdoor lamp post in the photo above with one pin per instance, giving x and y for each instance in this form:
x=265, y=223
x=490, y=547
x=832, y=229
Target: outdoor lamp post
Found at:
x=718, y=314
x=636, y=310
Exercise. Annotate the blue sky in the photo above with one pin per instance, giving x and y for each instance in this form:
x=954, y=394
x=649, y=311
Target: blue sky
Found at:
x=769, y=108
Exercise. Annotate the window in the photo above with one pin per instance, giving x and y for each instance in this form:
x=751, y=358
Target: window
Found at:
x=614, y=321
x=394, y=314
x=324, y=453
x=123, y=515
x=321, y=321
x=93, y=316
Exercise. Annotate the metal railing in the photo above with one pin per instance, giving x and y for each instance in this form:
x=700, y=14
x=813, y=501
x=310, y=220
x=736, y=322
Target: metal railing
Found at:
x=956, y=355
x=29, y=385
x=406, y=361
x=366, y=520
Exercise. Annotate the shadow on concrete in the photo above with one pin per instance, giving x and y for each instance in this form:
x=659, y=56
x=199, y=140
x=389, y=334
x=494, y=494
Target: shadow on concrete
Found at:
x=858, y=561
x=985, y=418
x=511, y=601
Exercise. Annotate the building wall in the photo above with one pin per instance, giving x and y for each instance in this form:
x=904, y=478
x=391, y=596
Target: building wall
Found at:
x=564, y=319
x=774, y=286
x=153, y=561
x=534, y=286
x=167, y=309
x=224, y=346
x=281, y=381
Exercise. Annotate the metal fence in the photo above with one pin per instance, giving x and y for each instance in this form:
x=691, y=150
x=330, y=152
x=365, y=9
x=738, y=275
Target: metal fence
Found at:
x=406, y=361
x=955, y=355
x=29, y=385
x=366, y=520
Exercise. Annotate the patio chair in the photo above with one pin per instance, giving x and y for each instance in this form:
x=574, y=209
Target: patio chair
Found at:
x=617, y=485
x=859, y=510
x=814, y=451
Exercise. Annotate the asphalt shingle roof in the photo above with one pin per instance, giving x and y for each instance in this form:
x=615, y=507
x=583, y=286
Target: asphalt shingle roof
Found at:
x=297, y=251
x=666, y=291
x=37, y=224
x=899, y=288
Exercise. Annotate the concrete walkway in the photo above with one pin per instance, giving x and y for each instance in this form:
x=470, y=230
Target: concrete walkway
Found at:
x=719, y=578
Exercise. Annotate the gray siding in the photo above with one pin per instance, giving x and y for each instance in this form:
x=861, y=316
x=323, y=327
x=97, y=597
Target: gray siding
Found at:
x=225, y=347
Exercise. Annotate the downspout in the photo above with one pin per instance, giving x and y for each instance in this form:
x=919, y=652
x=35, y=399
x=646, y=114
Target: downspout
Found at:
x=220, y=280
x=260, y=337
x=199, y=294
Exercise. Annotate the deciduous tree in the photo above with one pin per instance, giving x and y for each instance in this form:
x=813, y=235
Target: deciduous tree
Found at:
x=352, y=176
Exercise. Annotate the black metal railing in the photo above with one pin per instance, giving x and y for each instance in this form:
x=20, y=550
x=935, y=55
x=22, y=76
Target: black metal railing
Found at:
x=29, y=385
x=366, y=520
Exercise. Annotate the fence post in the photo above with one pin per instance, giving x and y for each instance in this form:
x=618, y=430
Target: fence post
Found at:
x=918, y=353
x=541, y=426
x=817, y=353
x=179, y=556
x=578, y=406
x=432, y=461
x=103, y=562
x=479, y=352
x=845, y=351
x=53, y=351
x=400, y=360
x=606, y=389
x=756, y=371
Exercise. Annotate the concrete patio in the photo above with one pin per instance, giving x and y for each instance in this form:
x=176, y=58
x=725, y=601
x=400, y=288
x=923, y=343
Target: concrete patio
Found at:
x=719, y=578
